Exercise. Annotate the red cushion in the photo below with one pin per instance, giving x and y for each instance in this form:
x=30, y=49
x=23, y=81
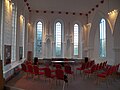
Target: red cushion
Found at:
x=87, y=71
x=102, y=75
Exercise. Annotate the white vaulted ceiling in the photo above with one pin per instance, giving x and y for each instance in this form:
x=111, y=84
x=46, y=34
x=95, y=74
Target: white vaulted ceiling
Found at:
x=82, y=6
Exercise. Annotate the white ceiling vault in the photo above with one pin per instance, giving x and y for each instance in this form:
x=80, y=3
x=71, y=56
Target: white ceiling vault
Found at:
x=79, y=6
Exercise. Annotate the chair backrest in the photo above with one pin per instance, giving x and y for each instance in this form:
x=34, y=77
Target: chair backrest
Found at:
x=24, y=68
x=106, y=63
x=36, y=69
x=28, y=62
x=47, y=72
x=66, y=61
x=100, y=66
x=109, y=71
x=58, y=66
x=87, y=65
x=30, y=68
x=91, y=63
x=117, y=67
x=97, y=66
x=67, y=69
x=59, y=74
x=93, y=68
x=83, y=66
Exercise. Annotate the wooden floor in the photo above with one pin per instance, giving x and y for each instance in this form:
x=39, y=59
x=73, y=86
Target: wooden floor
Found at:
x=20, y=82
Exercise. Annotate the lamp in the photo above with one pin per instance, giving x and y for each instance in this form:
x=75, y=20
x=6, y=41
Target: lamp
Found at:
x=10, y=1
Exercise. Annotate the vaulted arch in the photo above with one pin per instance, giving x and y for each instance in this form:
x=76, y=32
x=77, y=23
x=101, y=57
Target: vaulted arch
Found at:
x=94, y=40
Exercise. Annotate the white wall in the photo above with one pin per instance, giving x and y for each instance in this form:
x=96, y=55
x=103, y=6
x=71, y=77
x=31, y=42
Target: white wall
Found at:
x=7, y=29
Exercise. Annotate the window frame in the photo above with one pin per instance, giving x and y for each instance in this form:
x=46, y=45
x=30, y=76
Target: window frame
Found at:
x=77, y=39
x=14, y=32
x=60, y=27
x=102, y=38
x=38, y=54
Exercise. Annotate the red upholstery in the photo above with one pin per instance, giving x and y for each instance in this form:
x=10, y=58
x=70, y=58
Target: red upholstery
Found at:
x=48, y=73
x=82, y=67
x=37, y=71
x=24, y=68
x=28, y=62
x=58, y=66
x=59, y=74
x=105, y=73
x=30, y=69
x=68, y=69
x=91, y=70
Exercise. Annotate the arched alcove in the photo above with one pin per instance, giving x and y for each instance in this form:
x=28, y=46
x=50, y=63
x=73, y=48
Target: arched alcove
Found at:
x=94, y=41
x=42, y=20
x=58, y=50
x=48, y=48
x=68, y=44
x=80, y=34
x=68, y=48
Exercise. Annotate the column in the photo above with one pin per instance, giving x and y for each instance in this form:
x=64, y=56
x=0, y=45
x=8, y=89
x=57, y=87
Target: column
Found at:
x=53, y=49
x=71, y=50
x=117, y=55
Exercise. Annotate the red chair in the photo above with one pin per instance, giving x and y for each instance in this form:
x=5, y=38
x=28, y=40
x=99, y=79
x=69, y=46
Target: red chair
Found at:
x=104, y=75
x=117, y=72
x=24, y=68
x=66, y=61
x=58, y=66
x=90, y=71
x=48, y=73
x=92, y=62
x=28, y=62
x=81, y=68
x=37, y=71
x=105, y=64
x=67, y=70
x=100, y=66
x=59, y=73
x=97, y=66
x=87, y=65
x=30, y=69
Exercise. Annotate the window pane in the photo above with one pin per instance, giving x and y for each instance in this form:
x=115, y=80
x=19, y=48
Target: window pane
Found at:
x=39, y=39
x=76, y=39
x=14, y=19
x=58, y=38
x=102, y=38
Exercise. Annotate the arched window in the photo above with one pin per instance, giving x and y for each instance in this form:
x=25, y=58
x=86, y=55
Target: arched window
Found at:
x=102, y=38
x=76, y=30
x=14, y=20
x=39, y=30
x=22, y=37
x=58, y=38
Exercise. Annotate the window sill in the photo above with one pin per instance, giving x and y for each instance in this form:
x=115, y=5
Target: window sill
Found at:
x=13, y=65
